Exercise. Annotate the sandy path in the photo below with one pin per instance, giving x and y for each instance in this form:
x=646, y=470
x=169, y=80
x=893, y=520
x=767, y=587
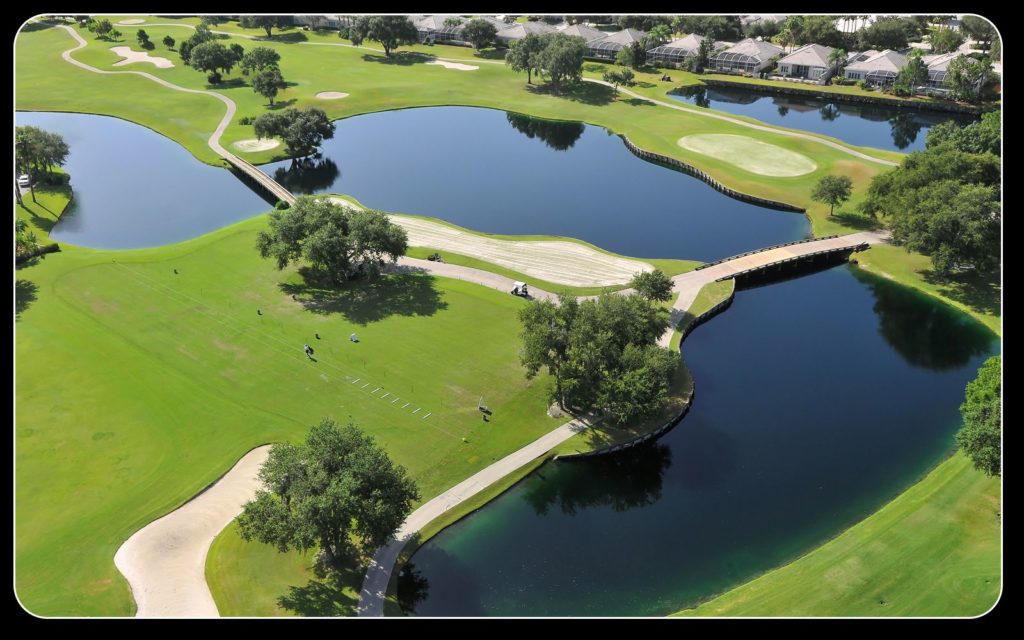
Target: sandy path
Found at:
x=375, y=584
x=165, y=561
x=791, y=134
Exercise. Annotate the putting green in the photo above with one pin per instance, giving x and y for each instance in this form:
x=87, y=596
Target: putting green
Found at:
x=749, y=154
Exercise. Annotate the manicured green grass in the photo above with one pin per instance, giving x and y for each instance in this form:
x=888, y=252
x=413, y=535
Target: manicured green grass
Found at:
x=935, y=550
x=167, y=379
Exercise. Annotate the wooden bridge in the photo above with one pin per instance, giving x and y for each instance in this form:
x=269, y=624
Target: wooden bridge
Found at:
x=261, y=182
x=777, y=258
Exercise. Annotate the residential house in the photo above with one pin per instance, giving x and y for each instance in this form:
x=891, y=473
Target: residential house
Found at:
x=879, y=69
x=520, y=30
x=608, y=45
x=809, y=61
x=677, y=52
x=432, y=29
x=749, y=56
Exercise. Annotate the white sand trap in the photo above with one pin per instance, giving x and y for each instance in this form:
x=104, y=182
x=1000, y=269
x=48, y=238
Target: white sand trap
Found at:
x=139, y=56
x=331, y=95
x=133, y=21
x=256, y=144
x=556, y=261
x=749, y=154
x=165, y=561
x=454, y=65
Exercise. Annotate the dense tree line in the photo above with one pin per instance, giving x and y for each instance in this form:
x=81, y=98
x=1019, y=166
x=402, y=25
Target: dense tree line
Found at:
x=602, y=353
x=944, y=202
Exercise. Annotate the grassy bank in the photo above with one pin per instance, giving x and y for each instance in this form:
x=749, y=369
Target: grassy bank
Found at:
x=933, y=551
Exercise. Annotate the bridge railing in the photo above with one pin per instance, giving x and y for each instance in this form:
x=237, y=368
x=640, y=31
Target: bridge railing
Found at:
x=858, y=247
x=762, y=250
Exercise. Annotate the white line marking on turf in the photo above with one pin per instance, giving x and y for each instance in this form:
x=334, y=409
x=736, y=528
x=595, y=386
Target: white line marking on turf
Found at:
x=406, y=404
x=356, y=380
x=395, y=400
x=386, y=394
x=427, y=416
x=417, y=409
x=365, y=385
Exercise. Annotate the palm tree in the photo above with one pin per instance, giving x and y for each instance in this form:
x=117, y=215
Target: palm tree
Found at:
x=836, y=59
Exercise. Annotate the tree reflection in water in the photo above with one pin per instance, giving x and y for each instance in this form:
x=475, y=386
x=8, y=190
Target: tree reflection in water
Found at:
x=560, y=136
x=308, y=175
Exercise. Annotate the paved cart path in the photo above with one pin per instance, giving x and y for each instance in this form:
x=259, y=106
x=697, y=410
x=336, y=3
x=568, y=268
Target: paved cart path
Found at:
x=375, y=584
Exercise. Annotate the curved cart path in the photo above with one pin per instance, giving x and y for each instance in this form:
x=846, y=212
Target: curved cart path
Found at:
x=165, y=561
x=375, y=584
x=783, y=132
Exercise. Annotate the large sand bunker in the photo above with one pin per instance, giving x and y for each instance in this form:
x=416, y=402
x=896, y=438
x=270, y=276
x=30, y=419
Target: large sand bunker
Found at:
x=331, y=95
x=749, y=154
x=455, y=65
x=139, y=56
x=256, y=144
x=133, y=21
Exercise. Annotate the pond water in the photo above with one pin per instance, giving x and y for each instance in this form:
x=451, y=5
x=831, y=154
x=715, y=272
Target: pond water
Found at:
x=866, y=125
x=818, y=399
x=499, y=172
x=134, y=188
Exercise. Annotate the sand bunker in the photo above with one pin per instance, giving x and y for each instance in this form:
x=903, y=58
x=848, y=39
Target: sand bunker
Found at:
x=139, y=56
x=331, y=95
x=256, y=144
x=454, y=65
x=132, y=21
x=749, y=154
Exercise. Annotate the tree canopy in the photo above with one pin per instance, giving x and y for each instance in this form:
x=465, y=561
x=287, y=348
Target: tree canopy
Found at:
x=652, y=285
x=212, y=57
x=38, y=150
x=944, y=203
x=302, y=130
x=968, y=77
x=337, y=241
x=980, y=29
x=982, y=412
x=337, y=484
x=389, y=31
x=479, y=33
x=268, y=82
x=886, y=33
x=832, y=190
x=524, y=55
x=258, y=58
x=602, y=353
x=945, y=40
x=561, y=59
x=714, y=27
x=201, y=35
x=978, y=137
x=267, y=23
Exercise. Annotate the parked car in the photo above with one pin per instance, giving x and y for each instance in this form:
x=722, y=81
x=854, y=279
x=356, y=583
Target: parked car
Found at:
x=24, y=180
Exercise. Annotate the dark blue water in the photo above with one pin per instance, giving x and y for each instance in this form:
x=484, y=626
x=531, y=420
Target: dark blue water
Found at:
x=135, y=188
x=863, y=125
x=817, y=400
x=501, y=173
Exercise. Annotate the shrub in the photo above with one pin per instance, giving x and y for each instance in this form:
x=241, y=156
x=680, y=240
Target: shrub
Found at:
x=344, y=32
x=282, y=205
x=863, y=84
x=213, y=77
x=245, y=120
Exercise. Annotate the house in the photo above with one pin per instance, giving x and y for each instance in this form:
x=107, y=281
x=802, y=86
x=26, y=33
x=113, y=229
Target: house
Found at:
x=878, y=69
x=609, y=44
x=675, y=53
x=583, y=31
x=497, y=21
x=318, y=22
x=749, y=56
x=432, y=29
x=520, y=30
x=809, y=61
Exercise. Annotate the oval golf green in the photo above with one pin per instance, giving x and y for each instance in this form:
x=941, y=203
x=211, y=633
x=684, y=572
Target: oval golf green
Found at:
x=749, y=154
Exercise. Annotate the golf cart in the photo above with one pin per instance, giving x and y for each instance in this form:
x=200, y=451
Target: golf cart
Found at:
x=519, y=289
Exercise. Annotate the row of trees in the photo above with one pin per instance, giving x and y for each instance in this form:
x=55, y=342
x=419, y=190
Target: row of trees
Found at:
x=603, y=353
x=944, y=202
